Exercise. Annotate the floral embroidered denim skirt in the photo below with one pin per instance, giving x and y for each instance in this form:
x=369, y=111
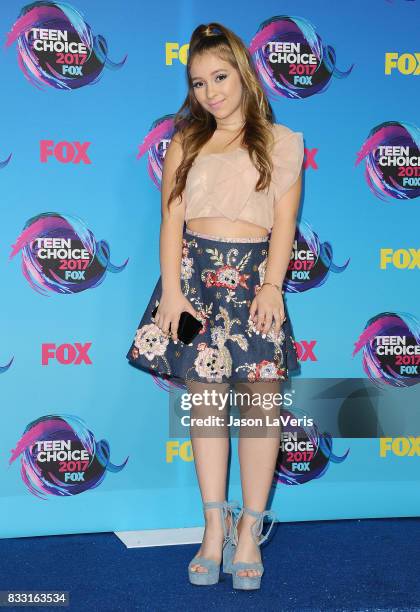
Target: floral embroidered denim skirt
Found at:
x=220, y=276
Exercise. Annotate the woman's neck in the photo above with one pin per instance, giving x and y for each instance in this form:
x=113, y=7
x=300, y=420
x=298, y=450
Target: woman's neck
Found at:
x=230, y=124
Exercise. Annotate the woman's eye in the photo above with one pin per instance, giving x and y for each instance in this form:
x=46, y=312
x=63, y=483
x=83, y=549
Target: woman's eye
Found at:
x=219, y=76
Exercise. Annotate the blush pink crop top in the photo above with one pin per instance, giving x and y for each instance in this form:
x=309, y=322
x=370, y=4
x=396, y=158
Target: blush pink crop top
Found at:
x=223, y=184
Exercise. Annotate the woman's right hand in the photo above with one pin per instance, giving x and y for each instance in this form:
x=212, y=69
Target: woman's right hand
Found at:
x=169, y=311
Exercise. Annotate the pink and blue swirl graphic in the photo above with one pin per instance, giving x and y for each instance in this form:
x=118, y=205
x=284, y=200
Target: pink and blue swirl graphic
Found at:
x=291, y=58
x=60, y=456
x=69, y=58
x=167, y=384
x=311, y=261
x=391, y=349
x=305, y=454
x=155, y=144
x=6, y=367
x=4, y=163
x=61, y=255
x=392, y=160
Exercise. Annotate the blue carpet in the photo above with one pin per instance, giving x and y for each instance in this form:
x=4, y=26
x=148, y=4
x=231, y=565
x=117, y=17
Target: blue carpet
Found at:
x=350, y=565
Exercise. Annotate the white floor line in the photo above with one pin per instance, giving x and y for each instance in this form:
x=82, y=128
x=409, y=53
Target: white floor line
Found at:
x=161, y=537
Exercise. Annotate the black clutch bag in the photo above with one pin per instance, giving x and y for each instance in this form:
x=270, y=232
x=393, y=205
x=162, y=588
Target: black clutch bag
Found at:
x=188, y=326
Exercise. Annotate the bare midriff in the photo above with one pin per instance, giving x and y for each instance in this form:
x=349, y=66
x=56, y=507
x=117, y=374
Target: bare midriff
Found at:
x=225, y=228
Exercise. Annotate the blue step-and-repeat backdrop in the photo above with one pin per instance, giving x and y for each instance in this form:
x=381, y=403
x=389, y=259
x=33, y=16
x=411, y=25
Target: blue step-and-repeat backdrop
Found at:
x=89, y=93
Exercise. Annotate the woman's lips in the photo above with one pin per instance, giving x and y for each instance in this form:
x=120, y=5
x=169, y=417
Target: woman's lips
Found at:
x=217, y=104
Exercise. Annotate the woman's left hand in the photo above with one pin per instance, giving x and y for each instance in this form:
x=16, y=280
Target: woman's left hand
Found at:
x=268, y=303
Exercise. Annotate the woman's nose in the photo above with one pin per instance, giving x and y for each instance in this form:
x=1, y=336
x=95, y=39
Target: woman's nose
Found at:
x=210, y=91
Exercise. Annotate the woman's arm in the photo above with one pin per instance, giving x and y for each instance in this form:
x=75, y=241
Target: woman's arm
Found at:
x=283, y=233
x=173, y=302
x=172, y=222
x=269, y=301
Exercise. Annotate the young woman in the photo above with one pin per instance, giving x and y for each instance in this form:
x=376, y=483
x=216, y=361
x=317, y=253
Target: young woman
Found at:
x=234, y=177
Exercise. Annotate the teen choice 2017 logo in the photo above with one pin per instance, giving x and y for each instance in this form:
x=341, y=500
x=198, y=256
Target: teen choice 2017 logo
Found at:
x=155, y=145
x=56, y=46
x=390, y=346
x=305, y=454
x=291, y=58
x=61, y=255
x=60, y=456
x=392, y=160
x=311, y=261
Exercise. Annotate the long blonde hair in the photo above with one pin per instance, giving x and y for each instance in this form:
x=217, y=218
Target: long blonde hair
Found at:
x=195, y=125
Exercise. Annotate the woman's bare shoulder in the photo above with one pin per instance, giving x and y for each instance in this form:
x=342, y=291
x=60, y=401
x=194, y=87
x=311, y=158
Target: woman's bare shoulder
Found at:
x=181, y=134
x=173, y=153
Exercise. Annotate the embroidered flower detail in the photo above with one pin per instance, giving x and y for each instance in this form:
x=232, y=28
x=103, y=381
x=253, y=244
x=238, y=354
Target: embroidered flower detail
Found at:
x=150, y=341
x=271, y=336
x=205, y=323
x=186, y=268
x=185, y=248
x=227, y=273
x=228, y=277
x=203, y=313
x=277, y=338
x=264, y=370
x=261, y=272
x=213, y=363
x=218, y=335
x=186, y=261
x=268, y=370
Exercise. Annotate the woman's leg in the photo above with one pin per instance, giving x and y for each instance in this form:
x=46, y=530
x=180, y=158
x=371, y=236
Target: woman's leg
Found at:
x=258, y=452
x=210, y=446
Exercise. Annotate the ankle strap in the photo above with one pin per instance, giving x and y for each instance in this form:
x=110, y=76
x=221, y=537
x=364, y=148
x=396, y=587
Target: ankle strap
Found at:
x=226, y=507
x=257, y=527
x=254, y=512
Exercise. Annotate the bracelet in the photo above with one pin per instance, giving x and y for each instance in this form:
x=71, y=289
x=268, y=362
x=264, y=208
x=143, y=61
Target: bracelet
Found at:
x=276, y=286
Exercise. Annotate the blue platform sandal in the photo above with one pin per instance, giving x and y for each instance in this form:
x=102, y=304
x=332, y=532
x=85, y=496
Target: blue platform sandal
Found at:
x=213, y=573
x=250, y=582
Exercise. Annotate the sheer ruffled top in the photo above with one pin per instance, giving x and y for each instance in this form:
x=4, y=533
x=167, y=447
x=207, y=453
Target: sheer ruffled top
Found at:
x=223, y=184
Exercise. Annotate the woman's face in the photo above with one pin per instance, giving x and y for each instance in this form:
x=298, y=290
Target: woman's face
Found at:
x=217, y=85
